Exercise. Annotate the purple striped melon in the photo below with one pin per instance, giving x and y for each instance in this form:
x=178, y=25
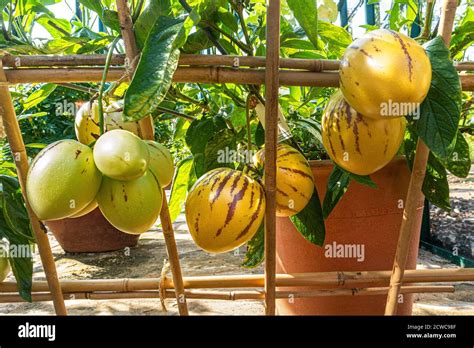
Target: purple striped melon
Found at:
x=224, y=209
x=359, y=144
x=294, y=180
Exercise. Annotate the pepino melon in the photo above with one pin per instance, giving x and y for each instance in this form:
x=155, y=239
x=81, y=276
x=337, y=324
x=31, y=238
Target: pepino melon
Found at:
x=294, y=180
x=87, y=121
x=224, y=209
x=62, y=180
x=385, y=73
x=121, y=155
x=356, y=143
x=131, y=206
x=161, y=162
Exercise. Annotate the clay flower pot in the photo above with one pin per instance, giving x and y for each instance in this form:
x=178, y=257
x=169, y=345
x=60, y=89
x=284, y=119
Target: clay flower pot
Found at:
x=361, y=235
x=90, y=233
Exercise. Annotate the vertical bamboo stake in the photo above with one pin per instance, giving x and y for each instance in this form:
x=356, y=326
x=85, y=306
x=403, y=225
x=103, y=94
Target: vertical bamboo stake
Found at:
x=146, y=126
x=414, y=200
x=17, y=146
x=272, y=67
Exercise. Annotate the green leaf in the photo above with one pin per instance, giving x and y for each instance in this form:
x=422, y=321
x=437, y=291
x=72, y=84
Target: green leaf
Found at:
x=336, y=187
x=93, y=5
x=217, y=147
x=197, y=42
x=441, y=110
x=200, y=131
x=153, y=10
x=155, y=70
x=111, y=20
x=55, y=26
x=38, y=96
x=255, y=249
x=310, y=221
x=35, y=115
x=22, y=268
x=364, y=180
x=459, y=161
x=180, y=187
x=306, y=13
x=435, y=185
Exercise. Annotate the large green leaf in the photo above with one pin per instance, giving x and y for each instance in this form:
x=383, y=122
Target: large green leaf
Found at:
x=310, y=221
x=180, y=187
x=459, y=161
x=441, y=110
x=15, y=227
x=38, y=96
x=153, y=10
x=255, y=249
x=218, y=148
x=306, y=13
x=155, y=70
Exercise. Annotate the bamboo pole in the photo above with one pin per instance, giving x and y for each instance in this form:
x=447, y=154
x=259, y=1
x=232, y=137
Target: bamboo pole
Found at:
x=17, y=146
x=146, y=126
x=211, y=74
x=272, y=66
x=414, y=202
x=317, y=281
x=315, y=65
x=226, y=295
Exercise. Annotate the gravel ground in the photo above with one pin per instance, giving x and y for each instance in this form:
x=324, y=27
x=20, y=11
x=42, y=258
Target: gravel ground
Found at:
x=146, y=260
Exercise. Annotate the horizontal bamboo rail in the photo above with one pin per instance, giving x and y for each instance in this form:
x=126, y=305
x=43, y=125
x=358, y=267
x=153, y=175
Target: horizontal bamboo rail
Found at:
x=191, y=75
x=317, y=65
x=224, y=295
x=321, y=280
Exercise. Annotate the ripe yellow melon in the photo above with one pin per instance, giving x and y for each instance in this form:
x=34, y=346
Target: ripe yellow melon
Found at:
x=121, y=155
x=383, y=73
x=294, y=180
x=356, y=143
x=62, y=180
x=224, y=209
x=161, y=162
x=131, y=206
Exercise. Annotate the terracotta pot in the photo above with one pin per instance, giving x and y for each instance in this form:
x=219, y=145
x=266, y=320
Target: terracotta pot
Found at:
x=370, y=218
x=90, y=233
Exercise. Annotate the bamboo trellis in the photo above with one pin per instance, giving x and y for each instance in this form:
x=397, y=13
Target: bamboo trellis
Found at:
x=221, y=69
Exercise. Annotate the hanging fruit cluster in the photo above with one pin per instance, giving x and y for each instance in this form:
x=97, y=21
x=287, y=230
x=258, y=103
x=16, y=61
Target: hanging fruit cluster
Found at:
x=122, y=174
x=384, y=75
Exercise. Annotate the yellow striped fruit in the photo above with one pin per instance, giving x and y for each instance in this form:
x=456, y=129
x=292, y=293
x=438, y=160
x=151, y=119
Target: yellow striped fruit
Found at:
x=356, y=143
x=161, y=162
x=87, y=121
x=131, y=206
x=62, y=180
x=4, y=264
x=294, y=180
x=224, y=209
x=385, y=73
x=121, y=155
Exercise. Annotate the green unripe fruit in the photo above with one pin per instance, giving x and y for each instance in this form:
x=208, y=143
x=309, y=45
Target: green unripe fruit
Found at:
x=161, y=162
x=62, y=180
x=131, y=206
x=121, y=155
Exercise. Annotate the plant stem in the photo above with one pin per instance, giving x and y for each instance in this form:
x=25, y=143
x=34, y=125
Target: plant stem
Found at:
x=91, y=91
x=429, y=18
x=175, y=113
x=108, y=60
x=247, y=121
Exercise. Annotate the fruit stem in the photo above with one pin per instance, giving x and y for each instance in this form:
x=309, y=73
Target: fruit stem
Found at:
x=108, y=60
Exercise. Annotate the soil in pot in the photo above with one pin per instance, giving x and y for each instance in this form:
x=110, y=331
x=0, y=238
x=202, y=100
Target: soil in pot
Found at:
x=361, y=235
x=90, y=233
